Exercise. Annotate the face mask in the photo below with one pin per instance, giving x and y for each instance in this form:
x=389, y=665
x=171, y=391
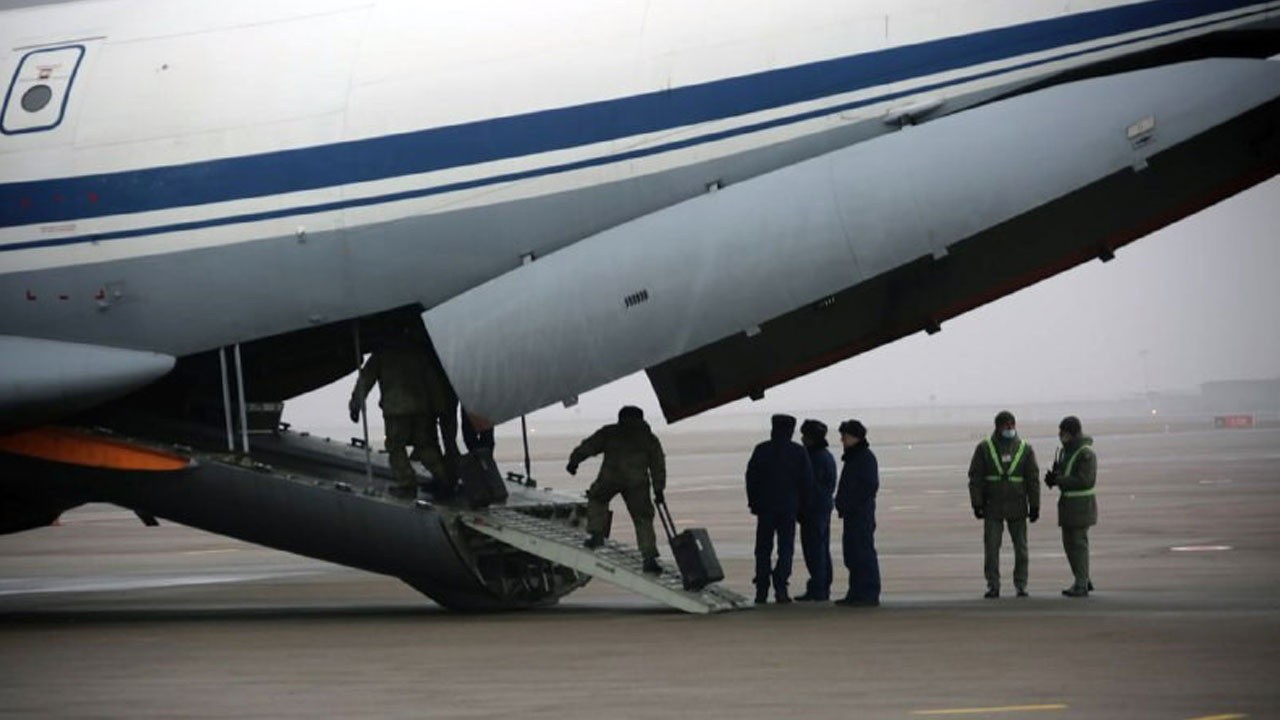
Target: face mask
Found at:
x=1065, y=438
x=1008, y=434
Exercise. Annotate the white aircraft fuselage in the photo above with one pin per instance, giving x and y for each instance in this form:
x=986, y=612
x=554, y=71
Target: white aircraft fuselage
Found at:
x=209, y=173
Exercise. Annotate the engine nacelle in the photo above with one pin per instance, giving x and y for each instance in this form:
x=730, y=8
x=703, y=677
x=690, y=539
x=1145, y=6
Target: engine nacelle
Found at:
x=42, y=380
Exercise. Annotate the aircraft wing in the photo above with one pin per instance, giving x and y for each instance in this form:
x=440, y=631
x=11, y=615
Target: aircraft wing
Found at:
x=725, y=295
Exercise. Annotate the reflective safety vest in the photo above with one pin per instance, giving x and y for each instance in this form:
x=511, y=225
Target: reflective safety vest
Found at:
x=1006, y=473
x=1071, y=465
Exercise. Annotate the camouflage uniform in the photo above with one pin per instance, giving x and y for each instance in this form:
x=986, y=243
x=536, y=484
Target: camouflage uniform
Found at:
x=633, y=458
x=416, y=398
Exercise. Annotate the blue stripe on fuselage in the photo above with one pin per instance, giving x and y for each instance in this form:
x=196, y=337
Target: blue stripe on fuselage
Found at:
x=381, y=158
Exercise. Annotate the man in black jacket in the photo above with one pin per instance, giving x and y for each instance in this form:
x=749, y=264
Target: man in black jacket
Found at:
x=856, y=504
x=815, y=512
x=777, y=471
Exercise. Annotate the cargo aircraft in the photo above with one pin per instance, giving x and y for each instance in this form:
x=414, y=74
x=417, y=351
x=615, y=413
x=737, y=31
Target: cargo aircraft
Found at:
x=209, y=208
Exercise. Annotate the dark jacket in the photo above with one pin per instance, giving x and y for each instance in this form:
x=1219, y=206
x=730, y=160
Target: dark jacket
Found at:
x=1004, y=490
x=1077, y=506
x=632, y=455
x=778, y=473
x=816, y=499
x=859, y=482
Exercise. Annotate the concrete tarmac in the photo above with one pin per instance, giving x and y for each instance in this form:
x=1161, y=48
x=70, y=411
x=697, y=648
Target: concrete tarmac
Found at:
x=102, y=617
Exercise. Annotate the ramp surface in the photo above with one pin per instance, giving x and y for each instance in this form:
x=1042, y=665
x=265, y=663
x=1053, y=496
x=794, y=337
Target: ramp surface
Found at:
x=561, y=543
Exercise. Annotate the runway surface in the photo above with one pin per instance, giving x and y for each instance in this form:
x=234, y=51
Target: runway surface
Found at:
x=102, y=617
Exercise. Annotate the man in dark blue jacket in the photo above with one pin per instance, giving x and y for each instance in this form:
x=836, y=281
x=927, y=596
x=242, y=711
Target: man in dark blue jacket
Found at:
x=856, y=504
x=815, y=512
x=777, y=471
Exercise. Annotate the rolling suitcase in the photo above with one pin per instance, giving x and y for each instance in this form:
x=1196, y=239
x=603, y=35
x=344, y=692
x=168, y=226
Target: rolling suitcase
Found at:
x=692, y=550
x=482, y=484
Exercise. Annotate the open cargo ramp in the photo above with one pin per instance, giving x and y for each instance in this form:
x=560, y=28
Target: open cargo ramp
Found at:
x=562, y=543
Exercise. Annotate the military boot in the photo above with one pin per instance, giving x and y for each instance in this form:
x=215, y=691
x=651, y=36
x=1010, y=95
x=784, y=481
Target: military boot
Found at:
x=595, y=541
x=651, y=566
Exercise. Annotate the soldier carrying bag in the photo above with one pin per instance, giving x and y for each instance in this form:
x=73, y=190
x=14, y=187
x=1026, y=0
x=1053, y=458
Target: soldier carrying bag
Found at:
x=692, y=550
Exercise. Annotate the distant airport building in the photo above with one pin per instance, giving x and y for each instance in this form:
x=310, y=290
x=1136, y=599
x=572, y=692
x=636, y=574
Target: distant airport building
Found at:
x=1242, y=396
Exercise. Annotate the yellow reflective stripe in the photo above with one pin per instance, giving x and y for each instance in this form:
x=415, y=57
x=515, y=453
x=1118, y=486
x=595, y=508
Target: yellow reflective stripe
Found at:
x=1071, y=463
x=1078, y=493
x=995, y=458
x=1017, y=457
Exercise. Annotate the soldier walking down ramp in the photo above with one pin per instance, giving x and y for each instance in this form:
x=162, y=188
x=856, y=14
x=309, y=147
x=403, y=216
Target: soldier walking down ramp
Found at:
x=415, y=401
x=1003, y=489
x=633, y=459
x=1075, y=473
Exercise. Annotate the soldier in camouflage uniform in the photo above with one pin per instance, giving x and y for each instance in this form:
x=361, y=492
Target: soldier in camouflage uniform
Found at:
x=1075, y=473
x=633, y=459
x=416, y=402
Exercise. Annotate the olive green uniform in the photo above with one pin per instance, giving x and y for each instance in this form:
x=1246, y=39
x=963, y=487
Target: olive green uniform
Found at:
x=1076, y=471
x=1003, y=483
x=416, y=400
x=633, y=459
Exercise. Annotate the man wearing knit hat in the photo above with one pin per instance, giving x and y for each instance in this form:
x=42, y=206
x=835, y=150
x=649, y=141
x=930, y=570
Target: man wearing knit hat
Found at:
x=856, y=503
x=1003, y=491
x=777, y=471
x=815, y=512
x=1075, y=473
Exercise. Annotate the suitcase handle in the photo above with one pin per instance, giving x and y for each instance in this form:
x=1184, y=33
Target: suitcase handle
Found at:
x=668, y=525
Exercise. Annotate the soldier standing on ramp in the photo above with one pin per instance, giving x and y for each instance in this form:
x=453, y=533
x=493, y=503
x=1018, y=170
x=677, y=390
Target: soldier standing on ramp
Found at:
x=633, y=459
x=415, y=398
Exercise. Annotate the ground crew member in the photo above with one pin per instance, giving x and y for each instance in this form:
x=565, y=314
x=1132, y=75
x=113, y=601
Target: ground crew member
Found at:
x=815, y=512
x=1075, y=473
x=1003, y=490
x=776, y=473
x=856, y=505
x=633, y=459
x=415, y=398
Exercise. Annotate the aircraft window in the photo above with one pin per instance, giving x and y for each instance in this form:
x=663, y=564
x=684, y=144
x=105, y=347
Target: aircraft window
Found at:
x=39, y=91
x=35, y=99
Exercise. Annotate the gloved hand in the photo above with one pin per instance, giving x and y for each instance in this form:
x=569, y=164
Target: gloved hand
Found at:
x=1050, y=478
x=354, y=408
x=1034, y=515
x=979, y=513
x=658, y=497
x=572, y=468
